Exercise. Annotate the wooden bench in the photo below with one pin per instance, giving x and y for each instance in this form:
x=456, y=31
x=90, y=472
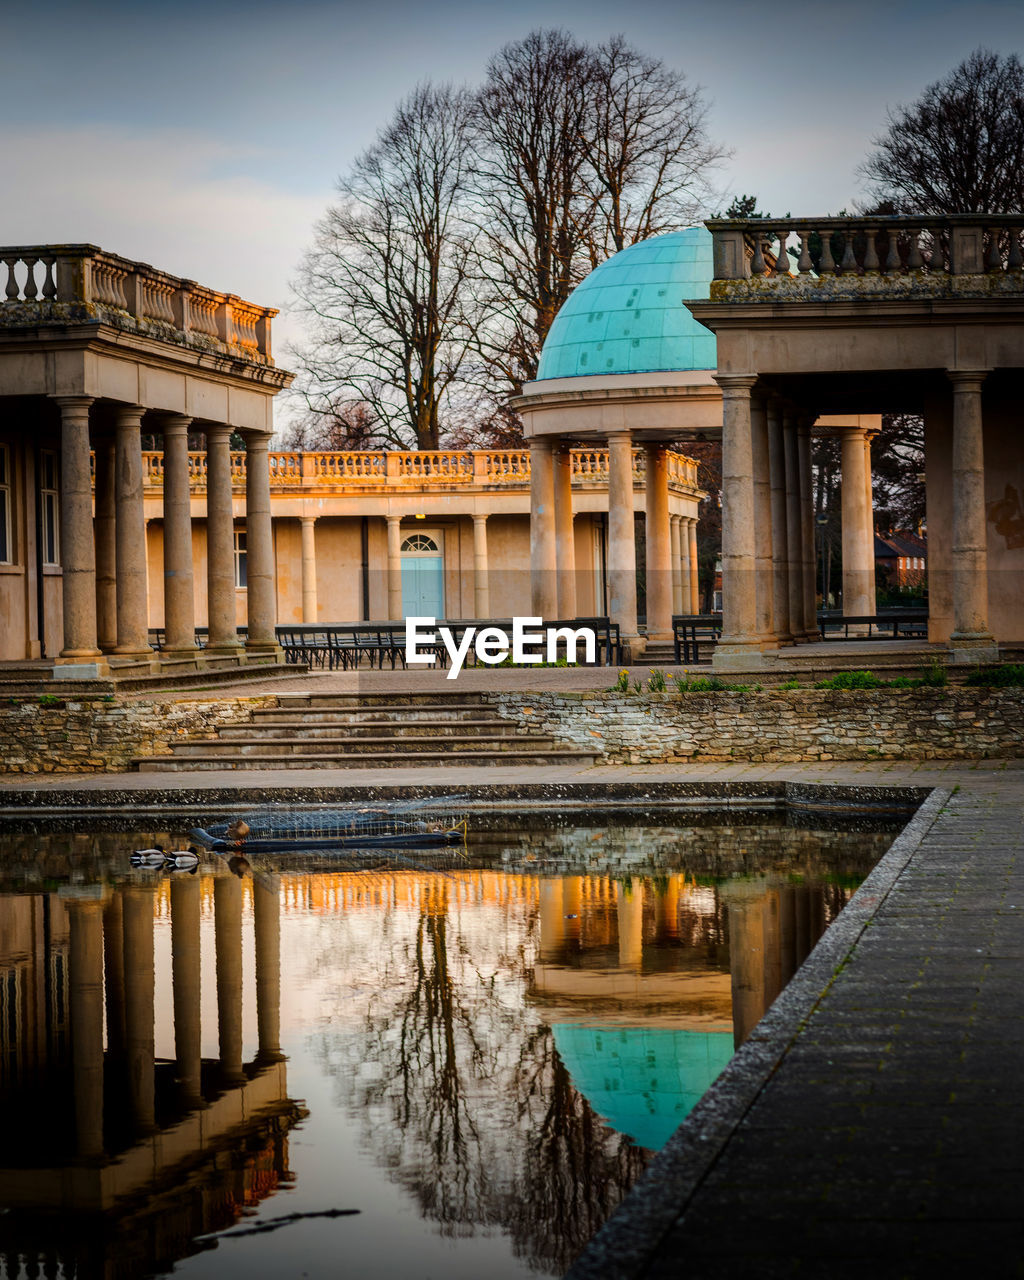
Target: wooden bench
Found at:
x=690, y=631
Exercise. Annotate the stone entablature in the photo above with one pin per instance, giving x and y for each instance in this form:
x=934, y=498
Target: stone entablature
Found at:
x=44, y=285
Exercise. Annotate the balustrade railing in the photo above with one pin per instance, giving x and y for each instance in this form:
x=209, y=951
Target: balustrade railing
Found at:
x=377, y=469
x=881, y=249
x=81, y=283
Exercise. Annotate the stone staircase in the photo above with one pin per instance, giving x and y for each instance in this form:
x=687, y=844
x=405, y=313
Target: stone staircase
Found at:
x=363, y=731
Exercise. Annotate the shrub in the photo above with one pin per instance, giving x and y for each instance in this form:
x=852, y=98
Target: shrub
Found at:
x=851, y=680
x=1010, y=676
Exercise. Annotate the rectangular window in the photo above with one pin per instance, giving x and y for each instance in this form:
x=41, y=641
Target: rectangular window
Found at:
x=5, y=505
x=49, y=503
x=240, y=558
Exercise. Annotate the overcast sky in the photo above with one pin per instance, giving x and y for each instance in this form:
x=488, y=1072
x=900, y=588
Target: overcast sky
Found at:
x=205, y=137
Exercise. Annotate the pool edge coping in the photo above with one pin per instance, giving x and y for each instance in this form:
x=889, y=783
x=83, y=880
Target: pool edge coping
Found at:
x=623, y=1248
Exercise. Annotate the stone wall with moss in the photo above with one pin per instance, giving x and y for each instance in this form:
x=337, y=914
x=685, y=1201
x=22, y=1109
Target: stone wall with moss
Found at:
x=54, y=735
x=779, y=725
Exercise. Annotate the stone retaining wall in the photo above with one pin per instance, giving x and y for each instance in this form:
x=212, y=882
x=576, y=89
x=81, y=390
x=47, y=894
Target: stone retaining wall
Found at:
x=782, y=725
x=96, y=736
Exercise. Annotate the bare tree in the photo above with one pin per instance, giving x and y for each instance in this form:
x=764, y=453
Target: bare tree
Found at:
x=384, y=287
x=334, y=428
x=649, y=154
x=960, y=147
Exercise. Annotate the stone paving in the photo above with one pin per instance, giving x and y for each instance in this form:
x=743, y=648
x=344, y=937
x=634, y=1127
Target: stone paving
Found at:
x=874, y=1122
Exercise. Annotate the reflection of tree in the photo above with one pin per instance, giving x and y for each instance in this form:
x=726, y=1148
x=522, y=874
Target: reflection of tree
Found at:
x=469, y=1105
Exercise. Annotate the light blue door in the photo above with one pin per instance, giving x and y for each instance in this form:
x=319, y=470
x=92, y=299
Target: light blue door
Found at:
x=422, y=578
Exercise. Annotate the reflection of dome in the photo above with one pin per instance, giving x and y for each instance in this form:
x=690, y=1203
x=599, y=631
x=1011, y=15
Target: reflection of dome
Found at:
x=627, y=315
x=642, y=1081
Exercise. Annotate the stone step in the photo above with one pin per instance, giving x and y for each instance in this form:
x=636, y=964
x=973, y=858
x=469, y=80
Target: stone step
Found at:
x=324, y=726
x=267, y=717
x=260, y=744
x=354, y=700
x=366, y=760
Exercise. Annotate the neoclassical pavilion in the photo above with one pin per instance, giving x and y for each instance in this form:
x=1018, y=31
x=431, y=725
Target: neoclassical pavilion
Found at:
x=627, y=363
x=862, y=316
x=95, y=350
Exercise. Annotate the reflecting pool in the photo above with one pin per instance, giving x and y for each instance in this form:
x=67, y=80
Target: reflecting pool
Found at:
x=427, y=1066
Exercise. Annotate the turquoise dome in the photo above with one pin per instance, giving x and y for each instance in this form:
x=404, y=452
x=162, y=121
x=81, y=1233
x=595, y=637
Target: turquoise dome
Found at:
x=627, y=316
x=642, y=1081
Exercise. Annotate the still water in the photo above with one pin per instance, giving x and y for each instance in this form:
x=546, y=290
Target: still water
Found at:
x=424, y=1068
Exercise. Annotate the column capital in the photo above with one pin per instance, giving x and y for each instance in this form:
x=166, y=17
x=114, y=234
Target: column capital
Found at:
x=967, y=379
x=217, y=433
x=479, y=518
x=175, y=424
x=129, y=414
x=735, y=384
x=71, y=403
x=307, y=520
x=393, y=520
x=255, y=441
x=620, y=437
x=542, y=443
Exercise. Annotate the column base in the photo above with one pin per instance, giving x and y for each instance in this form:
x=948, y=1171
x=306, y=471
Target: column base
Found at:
x=69, y=669
x=264, y=648
x=140, y=652
x=739, y=657
x=973, y=648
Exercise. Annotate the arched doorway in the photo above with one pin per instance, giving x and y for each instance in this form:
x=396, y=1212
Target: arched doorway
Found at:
x=422, y=576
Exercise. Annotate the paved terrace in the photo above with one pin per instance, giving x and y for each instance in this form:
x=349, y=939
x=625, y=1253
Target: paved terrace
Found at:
x=872, y=1123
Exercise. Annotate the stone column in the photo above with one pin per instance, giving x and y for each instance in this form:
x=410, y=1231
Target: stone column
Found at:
x=810, y=609
x=132, y=601
x=309, y=605
x=740, y=641
x=780, y=529
x=106, y=547
x=764, y=586
x=481, y=590
x=85, y=995
x=77, y=548
x=220, y=542
x=691, y=539
x=139, y=978
x=794, y=529
x=970, y=547
x=394, y=567
x=266, y=905
x=186, y=905
x=622, y=539
x=677, y=564
x=543, y=552
x=858, y=524
x=565, y=542
x=227, y=925
x=659, y=551
x=259, y=544
x=179, y=594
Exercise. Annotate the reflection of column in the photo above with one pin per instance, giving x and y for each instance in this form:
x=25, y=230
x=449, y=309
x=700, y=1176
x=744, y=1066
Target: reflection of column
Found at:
x=667, y=908
x=780, y=528
x=858, y=526
x=481, y=591
x=629, y=905
x=572, y=904
x=565, y=544
x=394, y=567
x=691, y=536
x=764, y=588
x=309, y=605
x=179, y=598
x=220, y=541
x=77, y=546
x=621, y=537
x=186, y=978
x=746, y=956
x=106, y=548
x=970, y=547
x=139, y=976
x=543, y=552
x=130, y=534
x=740, y=633
x=678, y=576
x=552, y=920
x=266, y=893
x=259, y=544
x=659, y=554
x=113, y=973
x=787, y=933
x=85, y=989
x=227, y=918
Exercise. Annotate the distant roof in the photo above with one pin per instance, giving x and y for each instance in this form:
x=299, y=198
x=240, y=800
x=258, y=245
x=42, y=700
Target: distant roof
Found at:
x=900, y=543
x=628, y=316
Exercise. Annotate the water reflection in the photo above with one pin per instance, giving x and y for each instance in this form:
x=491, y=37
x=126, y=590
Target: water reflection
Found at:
x=504, y=1047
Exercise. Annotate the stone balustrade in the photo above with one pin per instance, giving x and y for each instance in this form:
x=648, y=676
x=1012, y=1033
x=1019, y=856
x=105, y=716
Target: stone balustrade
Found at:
x=964, y=255
x=80, y=284
x=481, y=468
